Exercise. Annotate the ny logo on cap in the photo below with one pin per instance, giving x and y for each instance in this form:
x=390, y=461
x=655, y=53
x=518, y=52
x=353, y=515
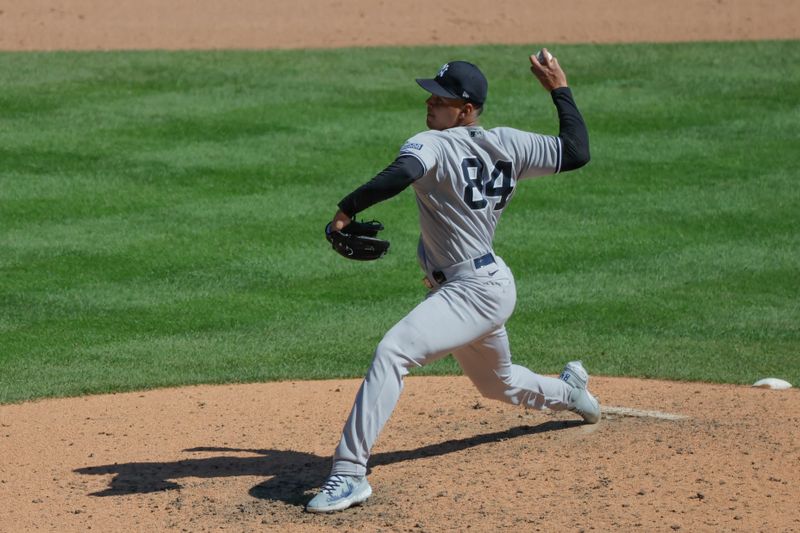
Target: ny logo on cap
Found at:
x=443, y=70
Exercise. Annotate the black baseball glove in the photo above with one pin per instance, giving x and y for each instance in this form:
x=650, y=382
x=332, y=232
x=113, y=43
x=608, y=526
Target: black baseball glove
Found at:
x=358, y=240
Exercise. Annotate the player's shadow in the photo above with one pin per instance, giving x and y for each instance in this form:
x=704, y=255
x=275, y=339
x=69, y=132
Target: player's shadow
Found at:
x=290, y=473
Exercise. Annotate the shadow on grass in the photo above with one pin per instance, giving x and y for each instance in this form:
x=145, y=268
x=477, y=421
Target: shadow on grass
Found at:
x=291, y=473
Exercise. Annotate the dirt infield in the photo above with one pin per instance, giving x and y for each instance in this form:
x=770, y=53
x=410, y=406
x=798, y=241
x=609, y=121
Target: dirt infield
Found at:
x=144, y=24
x=246, y=458
x=678, y=457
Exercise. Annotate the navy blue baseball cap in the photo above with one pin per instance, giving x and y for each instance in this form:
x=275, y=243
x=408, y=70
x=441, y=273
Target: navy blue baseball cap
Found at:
x=458, y=79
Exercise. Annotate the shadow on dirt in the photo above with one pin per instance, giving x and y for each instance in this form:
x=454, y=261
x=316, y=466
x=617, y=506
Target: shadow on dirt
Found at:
x=291, y=473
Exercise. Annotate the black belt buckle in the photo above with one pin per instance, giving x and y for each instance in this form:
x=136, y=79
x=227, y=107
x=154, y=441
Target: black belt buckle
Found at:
x=484, y=260
x=438, y=277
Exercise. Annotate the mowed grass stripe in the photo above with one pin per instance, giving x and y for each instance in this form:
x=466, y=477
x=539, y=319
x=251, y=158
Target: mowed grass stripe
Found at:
x=162, y=214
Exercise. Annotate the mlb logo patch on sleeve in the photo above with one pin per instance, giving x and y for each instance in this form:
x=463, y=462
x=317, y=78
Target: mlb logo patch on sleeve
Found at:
x=411, y=146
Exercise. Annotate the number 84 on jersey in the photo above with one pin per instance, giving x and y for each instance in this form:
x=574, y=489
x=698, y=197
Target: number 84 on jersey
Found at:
x=482, y=187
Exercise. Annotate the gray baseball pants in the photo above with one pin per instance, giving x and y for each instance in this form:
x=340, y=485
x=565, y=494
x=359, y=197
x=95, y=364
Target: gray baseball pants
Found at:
x=465, y=317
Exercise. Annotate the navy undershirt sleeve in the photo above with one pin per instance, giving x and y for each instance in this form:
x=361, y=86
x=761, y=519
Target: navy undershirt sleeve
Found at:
x=572, y=130
x=389, y=182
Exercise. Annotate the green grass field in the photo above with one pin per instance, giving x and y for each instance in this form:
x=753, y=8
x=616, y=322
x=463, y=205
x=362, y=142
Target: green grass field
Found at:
x=162, y=214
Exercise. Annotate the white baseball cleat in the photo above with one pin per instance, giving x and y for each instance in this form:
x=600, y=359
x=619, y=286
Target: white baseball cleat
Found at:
x=575, y=374
x=580, y=400
x=339, y=493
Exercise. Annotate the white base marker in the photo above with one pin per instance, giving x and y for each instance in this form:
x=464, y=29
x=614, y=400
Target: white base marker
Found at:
x=772, y=383
x=627, y=411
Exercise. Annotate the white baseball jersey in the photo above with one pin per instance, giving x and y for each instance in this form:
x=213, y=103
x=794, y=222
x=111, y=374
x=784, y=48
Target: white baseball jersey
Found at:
x=470, y=176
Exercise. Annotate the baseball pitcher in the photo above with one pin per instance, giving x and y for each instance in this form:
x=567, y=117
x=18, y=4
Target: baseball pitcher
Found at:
x=463, y=177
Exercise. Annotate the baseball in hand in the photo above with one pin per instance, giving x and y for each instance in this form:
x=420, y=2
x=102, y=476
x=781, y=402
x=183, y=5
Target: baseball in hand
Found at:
x=544, y=56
